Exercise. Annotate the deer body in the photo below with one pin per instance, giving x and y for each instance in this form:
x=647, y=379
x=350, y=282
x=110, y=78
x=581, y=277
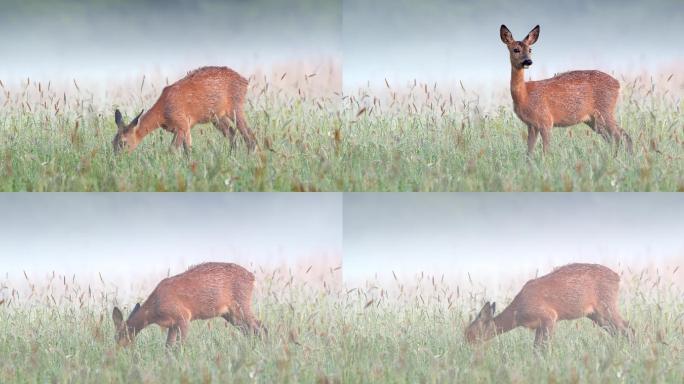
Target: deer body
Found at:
x=204, y=291
x=569, y=292
x=566, y=99
x=208, y=94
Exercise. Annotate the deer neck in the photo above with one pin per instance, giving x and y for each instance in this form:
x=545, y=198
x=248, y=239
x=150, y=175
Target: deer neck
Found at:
x=505, y=321
x=518, y=87
x=148, y=122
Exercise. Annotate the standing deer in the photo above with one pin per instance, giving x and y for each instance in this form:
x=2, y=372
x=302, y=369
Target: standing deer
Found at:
x=202, y=292
x=569, y=292
x=566, y=99
x=209, y=94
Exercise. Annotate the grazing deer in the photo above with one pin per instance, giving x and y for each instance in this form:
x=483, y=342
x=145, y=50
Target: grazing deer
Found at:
x=566, y=99
x=202, y=292
x=209, y=94
x=569, y=292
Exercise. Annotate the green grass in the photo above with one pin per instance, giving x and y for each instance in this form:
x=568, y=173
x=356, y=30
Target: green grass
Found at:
x=421, y=139
x=49, y=145
x=63, y=332
x=396, y=333
x=430, y=139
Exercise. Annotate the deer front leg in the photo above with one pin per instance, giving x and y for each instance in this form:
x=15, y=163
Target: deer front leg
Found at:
x=182, y=137
x=543, y=333
x=172, y=336
x=183, y=328
x=532, y=133
x=547, y=321
x=546, y=138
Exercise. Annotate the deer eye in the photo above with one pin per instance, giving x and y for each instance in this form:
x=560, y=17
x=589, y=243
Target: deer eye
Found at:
x=516, y=50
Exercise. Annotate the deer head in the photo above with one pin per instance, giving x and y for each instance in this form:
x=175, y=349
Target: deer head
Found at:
x=483, y=327
x=125, y=135
x=520, y=51
x=124, y=331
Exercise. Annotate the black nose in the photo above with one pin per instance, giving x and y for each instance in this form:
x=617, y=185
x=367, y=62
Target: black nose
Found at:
x=527, y=62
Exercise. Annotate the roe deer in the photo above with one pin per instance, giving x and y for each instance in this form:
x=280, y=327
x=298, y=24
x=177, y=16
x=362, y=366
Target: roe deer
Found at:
x=208, y=94
x=202, y=292
x=569, y=292
x=566, y=99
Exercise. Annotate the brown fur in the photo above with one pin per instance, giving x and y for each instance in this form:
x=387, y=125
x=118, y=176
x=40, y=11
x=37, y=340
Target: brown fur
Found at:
x=569, y=292
x=566, y=99
x=202, y=292
x=208, y=94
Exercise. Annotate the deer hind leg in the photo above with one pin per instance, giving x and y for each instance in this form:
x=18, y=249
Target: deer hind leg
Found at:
x=617, y=323
x=226, y=127
x=241, y=123
x=619, y=134
x=598, y=128
x=609, y=129
x=600, y=321
x=243, y=318
x=610, y=320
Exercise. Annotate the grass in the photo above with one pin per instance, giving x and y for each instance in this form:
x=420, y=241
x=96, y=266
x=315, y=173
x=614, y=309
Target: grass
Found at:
x=59, y=331
x=416, y=138
x=426, y=138
x=320, y=331
x=60, y=140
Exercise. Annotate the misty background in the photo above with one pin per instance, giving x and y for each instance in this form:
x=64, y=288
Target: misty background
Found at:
x=436, y=40
x=496, y=237
x=128, y=235
x=110, y=39
x=447, y=41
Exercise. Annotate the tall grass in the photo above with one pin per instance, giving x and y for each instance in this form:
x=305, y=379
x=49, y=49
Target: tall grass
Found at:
x=57, y=330
x=419, y=137
x=60, y=139
x=320, y=331
x=427, y=137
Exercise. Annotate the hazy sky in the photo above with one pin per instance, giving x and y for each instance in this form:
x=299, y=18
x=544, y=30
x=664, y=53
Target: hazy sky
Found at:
x=505, y=234
x=118, y=233
x=446, y=40
x=433, y=40
x=54, y=39
x=487, y=235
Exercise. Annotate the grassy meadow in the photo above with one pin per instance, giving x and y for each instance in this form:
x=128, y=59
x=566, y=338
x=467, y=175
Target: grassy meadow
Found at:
x=57, y=330
x=426, y=137
x=415, y=137
x=59, y=139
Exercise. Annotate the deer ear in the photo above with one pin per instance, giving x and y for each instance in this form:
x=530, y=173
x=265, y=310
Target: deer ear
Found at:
x=486, y=311
x=117, y=316
x=493, y=308
x=134, y=122
x=135, y=309
x=506, y=35
x=532, y=37
x=118, y=119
